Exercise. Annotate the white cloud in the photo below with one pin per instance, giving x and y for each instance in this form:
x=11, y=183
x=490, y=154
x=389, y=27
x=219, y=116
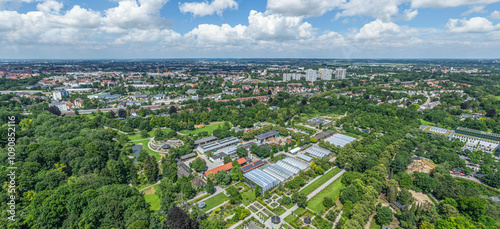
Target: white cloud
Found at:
x=475, y=9
x=49, y=24
x=263, y=26
x=473, y=25
x=380, y=9
x=448, y=3
x=204, y=8
x=377, y=29
x=146, y=36
x=209, y=35
x=495, y=15
x=50, y=6
x=309, y=8
x=13, y=3
x=410, y=14
x=144, y=14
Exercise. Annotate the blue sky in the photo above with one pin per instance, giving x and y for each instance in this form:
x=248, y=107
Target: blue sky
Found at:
x=76, y=29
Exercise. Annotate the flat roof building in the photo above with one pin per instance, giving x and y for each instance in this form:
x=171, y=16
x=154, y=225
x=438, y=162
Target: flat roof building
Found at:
x=188, y=156
x=295, y=150
x=267, y=135
x=183, y=169
x=216, y=145
x=317, y=121
x=324, y=134
x=204, y=141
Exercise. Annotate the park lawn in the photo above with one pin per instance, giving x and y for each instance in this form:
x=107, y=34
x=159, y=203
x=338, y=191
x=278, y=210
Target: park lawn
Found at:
x=151, y=134
x=332, y=190
x=289, y=219
x=89, y=115
x=153, y=200
x=279, y=210
x=299, y=211
x=426, y=123
x=146, y=147
x=214, y=201
x=248, y=197
x=314, y=185
x=210, y=129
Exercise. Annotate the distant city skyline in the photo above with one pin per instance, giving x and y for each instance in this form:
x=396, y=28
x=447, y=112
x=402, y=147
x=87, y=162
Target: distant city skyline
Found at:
x=333, y=29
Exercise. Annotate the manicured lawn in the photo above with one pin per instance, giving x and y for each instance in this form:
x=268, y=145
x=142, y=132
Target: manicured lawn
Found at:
x=153, y=200
x=299, y=211
x=145, y=147
x=248, y=197
x=426, y=123
x=214, y=201
x=313, y=186
x=332, y=190
x=210, y=129
x=289, y=219
x=279, y=210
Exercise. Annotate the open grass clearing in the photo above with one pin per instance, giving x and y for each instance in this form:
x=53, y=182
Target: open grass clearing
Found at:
x=248, y=197
x=332, y=190
x=214, y=201
x=209, y=128
x=317, y=183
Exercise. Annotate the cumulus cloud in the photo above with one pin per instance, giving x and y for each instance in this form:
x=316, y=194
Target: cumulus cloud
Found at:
x=380, y=9
x=410, y=14
x=129, y=14
x=277, y=27
x=448, y=3
x=205, y=8
x=308, y=8
x=206, y=34
x=495, y=15
x=475, y=9
x=473, y=25
x=49, y=24
x=377, y=29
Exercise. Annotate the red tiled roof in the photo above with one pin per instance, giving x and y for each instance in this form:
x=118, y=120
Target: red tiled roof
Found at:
x=226, y=167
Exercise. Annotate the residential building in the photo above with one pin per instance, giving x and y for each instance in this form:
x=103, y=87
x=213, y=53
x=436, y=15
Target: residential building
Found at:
x=325, y=73
x=59, y=95
x=340, y=73
x=311, y=75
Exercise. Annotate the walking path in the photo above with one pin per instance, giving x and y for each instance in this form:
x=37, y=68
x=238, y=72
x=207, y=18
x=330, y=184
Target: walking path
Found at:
x=338, y=218
x=323, y=186
x=313, y=180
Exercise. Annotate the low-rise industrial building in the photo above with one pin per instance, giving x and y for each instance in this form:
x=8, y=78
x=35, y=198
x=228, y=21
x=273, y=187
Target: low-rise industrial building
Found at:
x=204, y=141
x=216, y=145
x=319, y=121
x=267, y=135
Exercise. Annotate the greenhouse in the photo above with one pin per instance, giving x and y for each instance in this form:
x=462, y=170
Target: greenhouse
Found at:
x=318, y=152
x=260, y=178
